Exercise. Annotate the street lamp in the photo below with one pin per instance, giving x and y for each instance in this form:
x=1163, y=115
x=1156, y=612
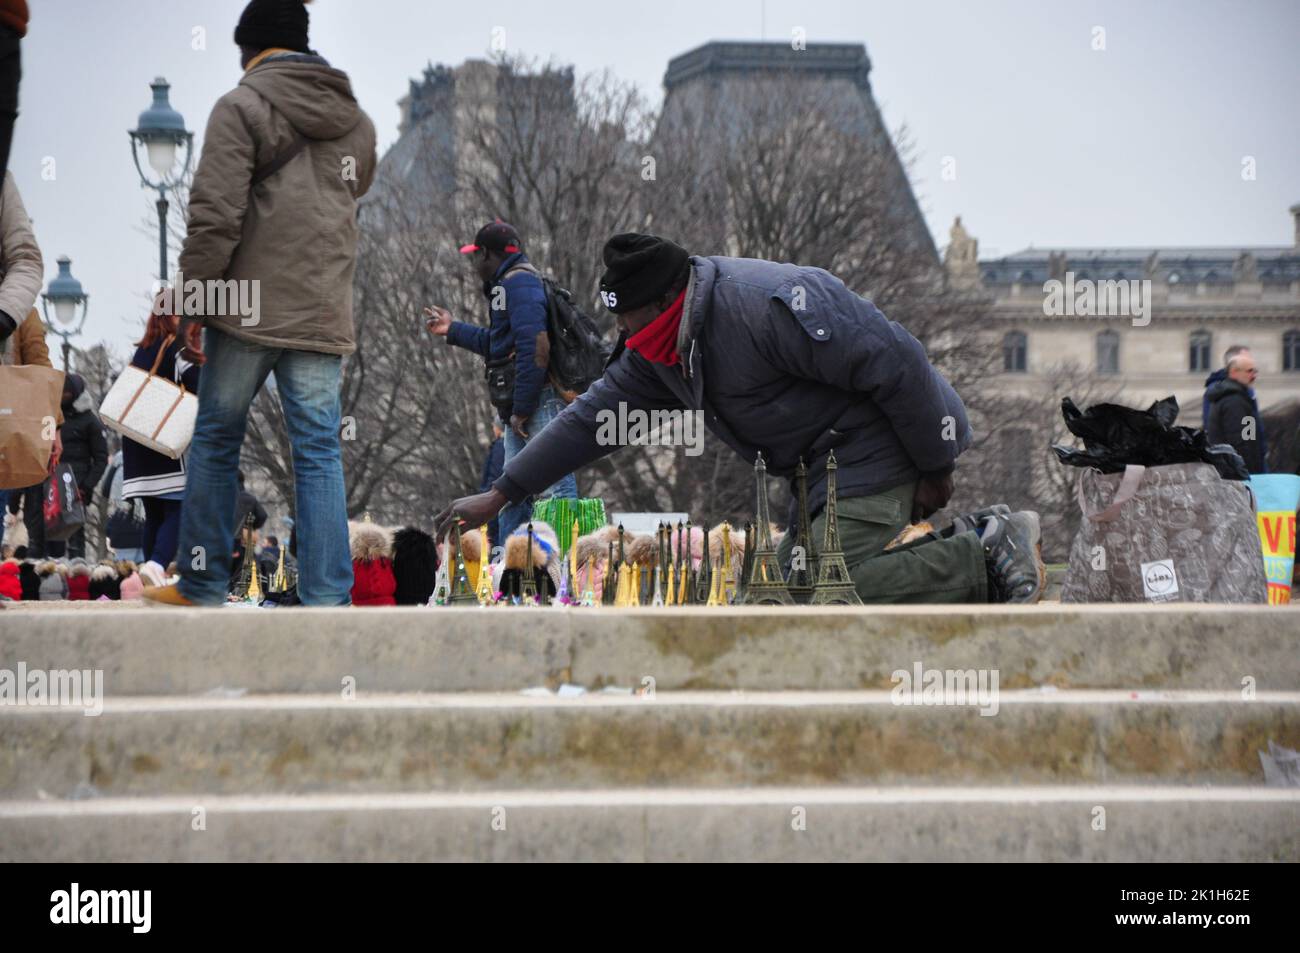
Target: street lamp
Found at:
x=161, y=131
x=64, y=294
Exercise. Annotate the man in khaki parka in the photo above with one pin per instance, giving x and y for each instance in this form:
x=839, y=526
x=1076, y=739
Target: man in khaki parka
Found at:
x=286, y=156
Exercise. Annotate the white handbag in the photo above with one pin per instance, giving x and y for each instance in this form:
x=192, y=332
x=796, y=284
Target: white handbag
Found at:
x=151, y=410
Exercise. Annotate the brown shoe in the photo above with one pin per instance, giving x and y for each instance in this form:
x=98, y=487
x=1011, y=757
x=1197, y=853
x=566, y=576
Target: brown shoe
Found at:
x=166, y=596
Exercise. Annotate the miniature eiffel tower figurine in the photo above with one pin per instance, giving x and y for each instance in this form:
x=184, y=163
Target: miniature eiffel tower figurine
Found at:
x=483, y=592
x=570, y=580
x=442, y=580
x=727, y=588
x=742, y=581
x=588, y=590
x=834, y=584
x=280, y=579
x=803, y=563
x=687, y=595
x=766, y=584
x=528, y=592
x=250, y=581
x=609, y=583
x=462, y=591
x=704, y=579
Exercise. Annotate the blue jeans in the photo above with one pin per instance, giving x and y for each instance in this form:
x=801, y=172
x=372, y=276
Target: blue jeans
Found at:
x=518, y=514
x=308, y=386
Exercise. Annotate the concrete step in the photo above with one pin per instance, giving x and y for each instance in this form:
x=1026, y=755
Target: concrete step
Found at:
x=1141, y=824
x=470, y=741
x=187, y=652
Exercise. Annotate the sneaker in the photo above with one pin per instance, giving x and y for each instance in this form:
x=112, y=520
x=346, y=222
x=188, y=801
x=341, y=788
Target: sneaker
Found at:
x=166, y=596
x=976, y=520
x=1012, y=550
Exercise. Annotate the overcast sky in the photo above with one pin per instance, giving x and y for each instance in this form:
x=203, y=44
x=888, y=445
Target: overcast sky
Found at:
x=1055, y=143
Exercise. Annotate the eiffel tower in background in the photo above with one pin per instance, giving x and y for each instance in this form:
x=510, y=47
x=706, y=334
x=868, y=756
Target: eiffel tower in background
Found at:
x=765, y=585
x=801, y=581
x=834, y=585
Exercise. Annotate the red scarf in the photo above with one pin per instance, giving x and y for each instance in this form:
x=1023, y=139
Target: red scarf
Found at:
x=657, y=341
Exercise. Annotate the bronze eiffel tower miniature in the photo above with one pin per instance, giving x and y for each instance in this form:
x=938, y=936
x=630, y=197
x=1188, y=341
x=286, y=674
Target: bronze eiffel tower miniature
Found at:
x=462, y=591
x=801, y=581
x=528, y=591
x=834, y=584
x=765, y=584
x=704, y=578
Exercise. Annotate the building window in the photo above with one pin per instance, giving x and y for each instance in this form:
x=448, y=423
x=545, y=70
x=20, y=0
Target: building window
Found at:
x=1291, y=351
x=1199, y=356
x=1108, y=352
x=1014, y=347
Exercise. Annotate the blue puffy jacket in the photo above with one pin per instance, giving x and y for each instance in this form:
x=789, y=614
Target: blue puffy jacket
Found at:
x=519, y=326
x=782, y=359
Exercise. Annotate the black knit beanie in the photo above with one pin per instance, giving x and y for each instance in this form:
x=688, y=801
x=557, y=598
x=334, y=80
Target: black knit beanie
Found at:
x=265, y=24
x=639, y=269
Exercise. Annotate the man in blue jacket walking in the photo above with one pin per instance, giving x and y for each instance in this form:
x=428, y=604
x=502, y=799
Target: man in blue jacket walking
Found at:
x=785, y=360
x=514, y=344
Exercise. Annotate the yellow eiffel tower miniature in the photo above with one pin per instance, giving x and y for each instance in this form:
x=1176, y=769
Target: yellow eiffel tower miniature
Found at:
x=280, y=578
x=621, y=574
x=715, y=588
x=254, y=594
x=484, y=589
x=634, y=590
x=728, y=594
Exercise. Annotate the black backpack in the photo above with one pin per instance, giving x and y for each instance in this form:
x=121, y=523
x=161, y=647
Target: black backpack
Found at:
x=578, y=351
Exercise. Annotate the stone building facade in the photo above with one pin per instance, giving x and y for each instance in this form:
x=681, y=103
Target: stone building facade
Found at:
x=1178, y=309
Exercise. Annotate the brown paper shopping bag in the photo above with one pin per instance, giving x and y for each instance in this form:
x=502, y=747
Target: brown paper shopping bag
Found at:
x=29, y=408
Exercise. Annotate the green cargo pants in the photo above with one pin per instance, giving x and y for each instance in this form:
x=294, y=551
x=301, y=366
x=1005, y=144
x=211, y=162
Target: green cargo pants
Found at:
x=927, y=570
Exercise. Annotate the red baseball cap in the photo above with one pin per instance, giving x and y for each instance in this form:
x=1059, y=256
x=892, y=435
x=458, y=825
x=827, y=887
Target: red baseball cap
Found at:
x=495, y=236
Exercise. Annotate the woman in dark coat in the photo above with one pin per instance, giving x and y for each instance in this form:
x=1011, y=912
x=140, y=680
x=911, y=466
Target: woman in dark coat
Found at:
x=158, y=481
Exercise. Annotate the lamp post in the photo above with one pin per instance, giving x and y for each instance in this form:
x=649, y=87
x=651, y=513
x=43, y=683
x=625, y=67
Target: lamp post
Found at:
x=161, y=131
x=64, y=294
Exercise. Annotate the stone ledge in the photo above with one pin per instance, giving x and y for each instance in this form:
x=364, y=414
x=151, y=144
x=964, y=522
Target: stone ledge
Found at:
x=1143, y=824
x=191, y=651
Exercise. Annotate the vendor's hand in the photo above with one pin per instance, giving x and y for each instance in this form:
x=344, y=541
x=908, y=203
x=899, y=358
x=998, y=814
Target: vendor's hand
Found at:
x=932, y=494
x=437, y=320
x=473, y=511
x=517, y=425
x=191, y=336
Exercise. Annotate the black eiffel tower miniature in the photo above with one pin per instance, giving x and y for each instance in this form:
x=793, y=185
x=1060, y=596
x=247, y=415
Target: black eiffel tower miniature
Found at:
x=801, y=581
x=765, y=584
x=704, y=578
x=834, y=584
x=608, y=585
x=462, y=590
x=528, y=591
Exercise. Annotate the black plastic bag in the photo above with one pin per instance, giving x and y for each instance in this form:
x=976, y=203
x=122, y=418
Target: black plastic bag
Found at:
x=1115, y=436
